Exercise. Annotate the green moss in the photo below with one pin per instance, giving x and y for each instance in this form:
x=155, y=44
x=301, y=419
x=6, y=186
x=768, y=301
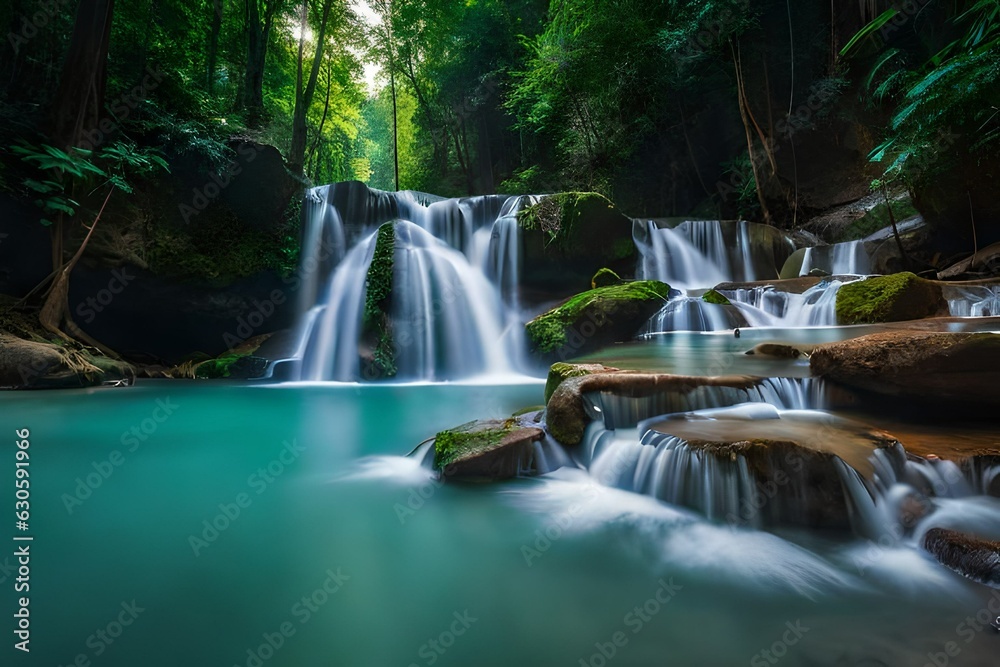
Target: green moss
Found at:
x=895, y=298
x=604, y=278
x=713, y=297
x=215, y=369
x=876, y=219
x=559, y=373
x=562, y=217
x=378, y=297
x=548, y=332
x=451, y=445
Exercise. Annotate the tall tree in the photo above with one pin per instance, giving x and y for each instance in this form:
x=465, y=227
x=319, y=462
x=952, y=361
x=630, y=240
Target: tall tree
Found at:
x=304, y=95
x=385, y=10
x=260, y=18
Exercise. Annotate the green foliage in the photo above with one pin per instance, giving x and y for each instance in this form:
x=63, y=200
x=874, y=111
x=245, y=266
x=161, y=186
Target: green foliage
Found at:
x=713, y=297
x=378, y=297
x=878, y=218
x=215, y=369
x=548, y=332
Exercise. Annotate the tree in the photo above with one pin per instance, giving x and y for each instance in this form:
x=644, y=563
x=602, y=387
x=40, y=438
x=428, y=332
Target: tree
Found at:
x=304, y=95
x=260, y=20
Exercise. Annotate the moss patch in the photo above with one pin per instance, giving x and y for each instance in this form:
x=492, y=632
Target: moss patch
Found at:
x=562, y=219
x=560, y=372
x=715, y=298
x=376, y=323
x=548, y=332
x=604, y=278
x=895, y=298
x=451, y=445
x=215, y=369
x=876, y=219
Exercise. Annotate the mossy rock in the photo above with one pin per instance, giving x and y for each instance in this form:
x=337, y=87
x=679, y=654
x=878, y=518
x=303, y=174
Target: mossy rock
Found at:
x=604, y=278
x=895, y=298
x=597, y=318
x=377, y=324
x=561, y=371
x=486, y=450
x=571, y=236
x=715, y=298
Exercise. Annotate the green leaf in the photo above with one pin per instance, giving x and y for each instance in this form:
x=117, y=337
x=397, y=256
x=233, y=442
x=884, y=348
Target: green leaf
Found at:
x=869, y=30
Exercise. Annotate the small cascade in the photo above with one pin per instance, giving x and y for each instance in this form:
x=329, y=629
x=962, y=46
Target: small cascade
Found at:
x=707, y=237
x=668, y=255
x=616, y=411
x=691, y=314
x=455, y=310
x=840, y=259
x=976, y=301
x=768, y=307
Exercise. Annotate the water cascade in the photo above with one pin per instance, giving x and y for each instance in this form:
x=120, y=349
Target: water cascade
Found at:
x=768, y=307
x=973, y=301
x=454, y=309
x=840, y=259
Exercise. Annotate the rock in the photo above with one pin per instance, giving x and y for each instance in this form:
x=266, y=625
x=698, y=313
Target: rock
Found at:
x=791, y=286
x=28, y=364
x=971, y=557
x=793, y=265
x=895, y=298
x=604, y=278
x=781, y=350
x=934, y=366
x=783, y=465
x=246, y=195
x=597, y=318
x=987, y=260
x=568, y=237
x=487, y=450
x=562, y=371
x=566, y=414
x=376, y=325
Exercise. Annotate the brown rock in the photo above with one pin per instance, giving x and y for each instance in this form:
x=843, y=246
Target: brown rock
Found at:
x=970, y=556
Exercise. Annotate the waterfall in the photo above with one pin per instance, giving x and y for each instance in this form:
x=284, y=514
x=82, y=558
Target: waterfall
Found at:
x=691, y=314
x=768, y=307
x=455, y=309
x=670, y=256
x=840, y=259
x=973, y=301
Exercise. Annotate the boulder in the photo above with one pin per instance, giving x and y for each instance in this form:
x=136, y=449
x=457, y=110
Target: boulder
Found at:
x=487, y=450
x=597, y=318
x=970, y=556
x=960, y=367
x=561, y=371
x=781, y=350
x=782, y=468
x=895, y=298
x=26, y=364
x=986, y=260
x=567, y=415
x=568, y=237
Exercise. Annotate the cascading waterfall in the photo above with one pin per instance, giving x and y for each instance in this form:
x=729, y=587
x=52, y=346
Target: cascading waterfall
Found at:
x=973, y=301
x=840, y=259
x=691, y=314
x=455, y=310
x=768, y=307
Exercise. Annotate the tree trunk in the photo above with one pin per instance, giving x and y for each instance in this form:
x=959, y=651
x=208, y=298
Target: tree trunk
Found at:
x=218, y=8
x=79, y=101
x=258, y=34
x=304, y=97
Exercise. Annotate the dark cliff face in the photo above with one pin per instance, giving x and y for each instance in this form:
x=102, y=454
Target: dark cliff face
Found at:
x=194, y=261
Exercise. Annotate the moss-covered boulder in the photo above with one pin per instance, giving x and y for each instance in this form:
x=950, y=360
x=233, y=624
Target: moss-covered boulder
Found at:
x=487, y=450
x=780, y=350
x=561, y=371
x=376, y=326
x=604, y=278
x=958, y=367
x=895, y=298
x=568, y=237
x=970, y=556
x=595, y=319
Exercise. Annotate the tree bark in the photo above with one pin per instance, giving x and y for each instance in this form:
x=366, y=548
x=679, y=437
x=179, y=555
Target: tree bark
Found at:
x=304, y=97
x=218, y=9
